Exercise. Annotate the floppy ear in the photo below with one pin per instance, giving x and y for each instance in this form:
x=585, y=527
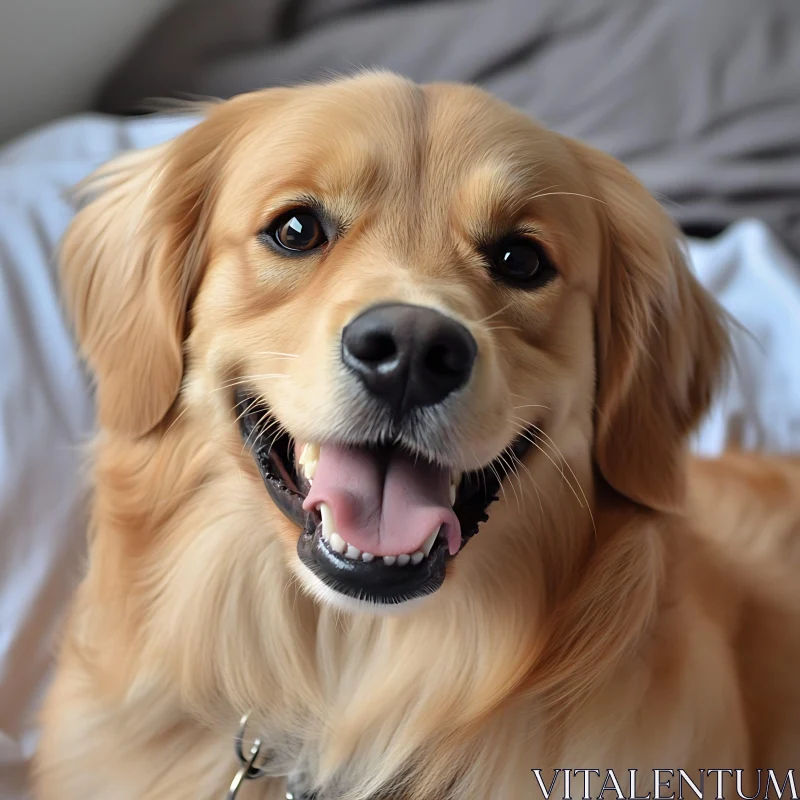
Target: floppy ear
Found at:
x=661, y=345
x=130, y=262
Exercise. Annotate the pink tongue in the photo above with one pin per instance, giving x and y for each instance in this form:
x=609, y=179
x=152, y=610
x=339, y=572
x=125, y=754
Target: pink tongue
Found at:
x=384, y=507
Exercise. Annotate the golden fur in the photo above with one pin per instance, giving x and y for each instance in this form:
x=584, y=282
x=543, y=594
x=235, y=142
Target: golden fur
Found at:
x=624, y=607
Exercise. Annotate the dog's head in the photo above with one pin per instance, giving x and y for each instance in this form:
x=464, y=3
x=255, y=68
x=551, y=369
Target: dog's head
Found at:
x=395, y=296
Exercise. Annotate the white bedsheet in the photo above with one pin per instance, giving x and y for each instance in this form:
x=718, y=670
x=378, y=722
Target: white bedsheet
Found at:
x=46, y=402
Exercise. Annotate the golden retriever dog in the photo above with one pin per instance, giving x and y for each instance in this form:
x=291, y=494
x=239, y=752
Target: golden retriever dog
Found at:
x=394, y=389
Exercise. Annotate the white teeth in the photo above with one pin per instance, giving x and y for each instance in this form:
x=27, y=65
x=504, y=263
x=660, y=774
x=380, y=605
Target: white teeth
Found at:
x=339, y=545
x=310, y=452
x=455, y=479
x=426, y=548
x=327, y=521
x=353, y=553
x=309, y=456
x=336, y=542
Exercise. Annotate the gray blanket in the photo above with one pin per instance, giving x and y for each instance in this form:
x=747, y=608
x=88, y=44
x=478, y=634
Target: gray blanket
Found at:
x=701, y=98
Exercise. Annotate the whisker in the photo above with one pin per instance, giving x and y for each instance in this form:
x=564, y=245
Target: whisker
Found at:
x=499, y=480
x=525, y=425
x=185, y=409
x=542, y=433
x=490, y=316
x=517, y=473
x=533, y=481
x=561, y=472
x=244, y=379
x=481, y=473
x=503, y=328
x=511, y=483
x=260, y=434
x=274, y=424
x=554, y=449
x=246, y=444
x=513, y=457
x=582, y=503
x=253, y=402
x=557, y=450
x=569, y=194
x=525, y=435
x=569, y=467
x=275, y=353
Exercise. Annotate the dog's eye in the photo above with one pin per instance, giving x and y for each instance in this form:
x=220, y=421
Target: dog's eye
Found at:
x=298, y=230
x=521, y=262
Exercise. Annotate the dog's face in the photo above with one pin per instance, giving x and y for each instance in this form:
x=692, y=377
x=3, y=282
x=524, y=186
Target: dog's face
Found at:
x=388, y=299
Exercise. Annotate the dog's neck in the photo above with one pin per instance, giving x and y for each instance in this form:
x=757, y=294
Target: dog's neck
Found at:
x=325, y=686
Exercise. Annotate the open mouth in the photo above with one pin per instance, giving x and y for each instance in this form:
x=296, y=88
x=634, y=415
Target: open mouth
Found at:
x=378, y=523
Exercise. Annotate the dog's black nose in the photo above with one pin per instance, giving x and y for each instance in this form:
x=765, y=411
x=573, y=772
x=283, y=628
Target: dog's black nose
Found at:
x=409, y=356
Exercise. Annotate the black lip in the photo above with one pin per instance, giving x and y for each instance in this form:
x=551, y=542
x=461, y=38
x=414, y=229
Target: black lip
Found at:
x=374, y=581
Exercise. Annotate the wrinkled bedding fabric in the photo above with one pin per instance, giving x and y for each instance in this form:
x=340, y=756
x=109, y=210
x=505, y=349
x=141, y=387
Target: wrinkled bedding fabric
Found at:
x=701, y=98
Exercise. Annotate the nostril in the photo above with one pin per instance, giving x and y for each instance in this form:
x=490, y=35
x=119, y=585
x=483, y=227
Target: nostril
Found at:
x=443, y=360
x=376, y=348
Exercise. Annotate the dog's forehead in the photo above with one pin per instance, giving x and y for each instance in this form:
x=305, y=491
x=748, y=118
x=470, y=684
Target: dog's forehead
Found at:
x=383, y=136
